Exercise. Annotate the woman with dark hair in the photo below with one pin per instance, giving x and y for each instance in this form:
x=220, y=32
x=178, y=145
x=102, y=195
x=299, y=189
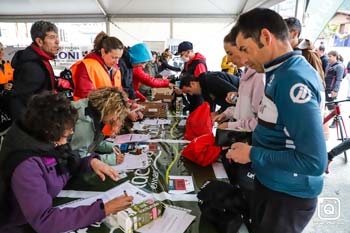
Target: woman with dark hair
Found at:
x=99, y=68
x=40, y=166
x=333, y=77
x=164, y=62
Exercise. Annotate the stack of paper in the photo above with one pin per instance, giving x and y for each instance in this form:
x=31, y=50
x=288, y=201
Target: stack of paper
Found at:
x=174, y=220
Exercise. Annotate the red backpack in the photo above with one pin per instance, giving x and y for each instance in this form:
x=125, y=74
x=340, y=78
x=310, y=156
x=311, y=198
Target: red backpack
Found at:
x=202, y=150
x=199, y=122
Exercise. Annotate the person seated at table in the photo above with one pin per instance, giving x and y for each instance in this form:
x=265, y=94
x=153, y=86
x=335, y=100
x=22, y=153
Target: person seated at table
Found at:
x=36, y=163
x=212, y=86
x=107, y=105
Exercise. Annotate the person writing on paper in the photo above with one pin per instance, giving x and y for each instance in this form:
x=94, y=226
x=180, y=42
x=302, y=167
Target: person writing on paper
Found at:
x=107, y=105
x=249, y=96
x=40, y=166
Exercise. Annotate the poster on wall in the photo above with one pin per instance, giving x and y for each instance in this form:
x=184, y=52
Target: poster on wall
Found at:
x=68, y=55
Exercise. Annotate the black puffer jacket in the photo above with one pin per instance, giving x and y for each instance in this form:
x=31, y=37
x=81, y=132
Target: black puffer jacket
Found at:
x=30, y=77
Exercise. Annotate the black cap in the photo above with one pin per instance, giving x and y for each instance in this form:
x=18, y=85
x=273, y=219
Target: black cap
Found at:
x=184, y=46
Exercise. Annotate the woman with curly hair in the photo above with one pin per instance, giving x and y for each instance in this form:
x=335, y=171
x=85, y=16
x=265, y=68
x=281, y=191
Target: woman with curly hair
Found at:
x=107, y=105
x=36, y=162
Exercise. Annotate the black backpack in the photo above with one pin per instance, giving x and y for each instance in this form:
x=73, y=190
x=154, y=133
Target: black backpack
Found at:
x=223, y=205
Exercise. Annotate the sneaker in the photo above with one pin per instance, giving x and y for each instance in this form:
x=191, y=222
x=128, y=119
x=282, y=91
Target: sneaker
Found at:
x=332, y=125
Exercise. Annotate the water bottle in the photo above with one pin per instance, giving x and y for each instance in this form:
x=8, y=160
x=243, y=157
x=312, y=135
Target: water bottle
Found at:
x=178, y=106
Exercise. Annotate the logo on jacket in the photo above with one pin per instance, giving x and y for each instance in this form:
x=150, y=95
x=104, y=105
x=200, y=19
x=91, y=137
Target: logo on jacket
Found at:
x=300, y=93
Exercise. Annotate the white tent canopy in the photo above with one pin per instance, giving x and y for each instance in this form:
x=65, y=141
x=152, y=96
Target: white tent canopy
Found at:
x=99, y=10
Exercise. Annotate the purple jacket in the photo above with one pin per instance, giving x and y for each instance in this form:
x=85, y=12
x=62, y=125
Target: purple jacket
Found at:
x=35, y=184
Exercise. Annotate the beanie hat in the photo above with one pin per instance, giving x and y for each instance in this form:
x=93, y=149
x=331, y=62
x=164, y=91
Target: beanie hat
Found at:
x=139, y=53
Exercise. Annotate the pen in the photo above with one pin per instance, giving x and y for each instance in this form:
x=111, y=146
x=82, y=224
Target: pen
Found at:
x=125, y=193
x=116, y=150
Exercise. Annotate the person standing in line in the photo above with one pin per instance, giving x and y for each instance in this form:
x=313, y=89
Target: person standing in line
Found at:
x=164, y=62
x=334, y=76
x=33, y=71
x=228, y=66
x=6, y=71
x=307, y=50
x=348, y=77
x=323, y=56
x=250, y=93
x=6, y=85
x=288, y=152
x=195, y=64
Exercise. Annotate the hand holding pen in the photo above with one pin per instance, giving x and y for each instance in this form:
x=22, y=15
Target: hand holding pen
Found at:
x=119, y=156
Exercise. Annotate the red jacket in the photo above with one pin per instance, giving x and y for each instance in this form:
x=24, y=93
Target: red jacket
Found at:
x=200, y=68
x=140, y=77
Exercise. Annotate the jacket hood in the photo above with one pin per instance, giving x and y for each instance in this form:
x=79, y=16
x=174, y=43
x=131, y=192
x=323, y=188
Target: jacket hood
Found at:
x=17, y=134
x=198, y=56
x=305, y=44
x=21, y=56
x=248, y=74
x=31, y=53
x=96, y=57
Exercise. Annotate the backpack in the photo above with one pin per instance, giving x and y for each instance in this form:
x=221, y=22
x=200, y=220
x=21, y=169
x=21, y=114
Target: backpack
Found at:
x=64, y=83
x=223, y=205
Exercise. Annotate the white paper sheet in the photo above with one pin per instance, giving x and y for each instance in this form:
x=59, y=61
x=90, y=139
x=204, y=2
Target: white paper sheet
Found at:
x=172, y=221
x=138, y=194
x=157, y=121
x=132, y=162
x=126, y=138
x=219, y=170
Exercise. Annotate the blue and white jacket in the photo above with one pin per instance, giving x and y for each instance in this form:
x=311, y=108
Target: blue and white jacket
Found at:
x=289, y=150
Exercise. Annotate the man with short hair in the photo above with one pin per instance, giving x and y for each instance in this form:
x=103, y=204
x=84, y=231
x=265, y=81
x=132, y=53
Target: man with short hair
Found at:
x=195, y=64
x=212, y=86
x=33, y=71
x=321, y=53
x=288, y=151
x=306, y=47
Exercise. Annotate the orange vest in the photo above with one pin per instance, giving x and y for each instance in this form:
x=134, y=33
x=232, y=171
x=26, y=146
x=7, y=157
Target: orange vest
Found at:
x=7, y=75
x=98, y=74
x=100, y=78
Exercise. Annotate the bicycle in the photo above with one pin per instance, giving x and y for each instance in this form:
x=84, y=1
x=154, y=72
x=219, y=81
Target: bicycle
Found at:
x=339, y=122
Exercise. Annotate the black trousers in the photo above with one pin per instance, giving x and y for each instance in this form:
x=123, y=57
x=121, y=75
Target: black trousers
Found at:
x=276, y=212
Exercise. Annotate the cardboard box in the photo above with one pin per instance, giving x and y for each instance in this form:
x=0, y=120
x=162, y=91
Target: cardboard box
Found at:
x=155, y=109
x=165, y=98
x=162, y=90
x=139, y=215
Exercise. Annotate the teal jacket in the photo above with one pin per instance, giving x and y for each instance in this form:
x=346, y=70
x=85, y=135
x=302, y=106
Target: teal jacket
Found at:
x=88, y=135
x=289, y=150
